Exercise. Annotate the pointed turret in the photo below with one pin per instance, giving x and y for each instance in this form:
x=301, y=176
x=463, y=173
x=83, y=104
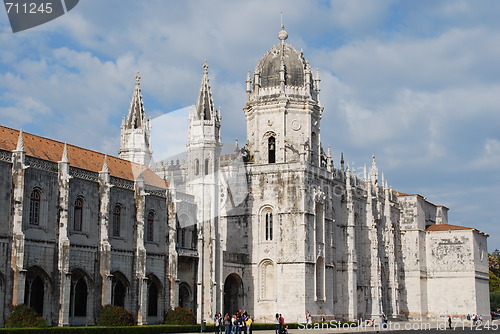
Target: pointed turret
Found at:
x=205, y=103
x=20, y=142
x=329, y=163
x=105, y=166
x=374, y=171
x=249, y=83
x=136, y=113
x=136, y=130
x=64, y=157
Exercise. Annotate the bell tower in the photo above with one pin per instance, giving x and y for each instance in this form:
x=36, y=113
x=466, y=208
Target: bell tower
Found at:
x=283, y=109
x=204, y=147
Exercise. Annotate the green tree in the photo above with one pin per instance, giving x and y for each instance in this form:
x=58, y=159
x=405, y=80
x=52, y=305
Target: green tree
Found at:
x=494, y=265
x=494, y=262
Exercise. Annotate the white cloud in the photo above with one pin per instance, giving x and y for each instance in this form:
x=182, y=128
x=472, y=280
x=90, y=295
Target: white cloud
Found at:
x=416, y=83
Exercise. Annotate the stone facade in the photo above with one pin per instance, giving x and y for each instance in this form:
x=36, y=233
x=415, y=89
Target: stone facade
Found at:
x=274, y=227
x=296, y=234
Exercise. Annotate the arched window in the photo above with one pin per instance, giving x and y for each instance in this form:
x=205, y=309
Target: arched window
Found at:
x=118, y=293
x=78, y=298
x=117, y=220
x=206, y=166
x=34, y=293
x=269, y=226
x=185, y=296
x=78, y=214
x=196, y=167
x=320, y=278
x=320, y=222
x=194, y=237
x=35, y=207
x=152, y=299
x=267, y=280
x=181, y=235
x=150, y=226
x=271, y=149
x=314, y=148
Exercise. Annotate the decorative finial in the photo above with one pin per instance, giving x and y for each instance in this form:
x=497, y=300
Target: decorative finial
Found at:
x=205, y=67
x=20, y=141
x=282, y=35
x=64, y=157
x=236, y=146
x=374, y=171
x=137, y=79
x=105, y=166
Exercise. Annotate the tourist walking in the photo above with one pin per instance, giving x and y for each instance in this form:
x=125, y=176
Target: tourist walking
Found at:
x=227, y=324
x=282, y=323
x=248, y=323
x=384, y=320
x=277, y=323
x=218, y=323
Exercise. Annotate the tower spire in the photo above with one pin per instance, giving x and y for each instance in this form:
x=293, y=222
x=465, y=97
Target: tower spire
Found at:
x=136, y=130
x=136, y=113
x=205, y=103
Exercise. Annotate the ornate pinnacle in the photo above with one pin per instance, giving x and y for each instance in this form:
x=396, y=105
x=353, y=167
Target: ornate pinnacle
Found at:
x=64, y=157
x=282, y=35
x=20, y=141
x=137, y=79
x=105, y=166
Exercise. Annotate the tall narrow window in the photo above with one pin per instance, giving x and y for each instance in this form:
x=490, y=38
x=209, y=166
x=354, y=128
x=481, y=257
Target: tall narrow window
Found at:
x=152, y=300
x=118, y=293
x=196, y=167
x=320, y=278
x=78, y=298
x=150, y=226
x=269, y=226
x=116, y=220
x=272, y=150
x=206, y=166
x=78, y=213
x=35, y=207
x=34, y=294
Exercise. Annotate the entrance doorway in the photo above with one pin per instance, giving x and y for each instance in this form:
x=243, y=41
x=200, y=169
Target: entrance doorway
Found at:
x=233, y=294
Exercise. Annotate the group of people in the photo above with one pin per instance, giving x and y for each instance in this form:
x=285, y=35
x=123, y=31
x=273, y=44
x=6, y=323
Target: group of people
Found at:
x=238, y=323
x=475, y=319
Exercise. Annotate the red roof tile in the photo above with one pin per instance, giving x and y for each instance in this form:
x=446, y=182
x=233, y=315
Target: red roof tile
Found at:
x=446, y=227
x=49, y=149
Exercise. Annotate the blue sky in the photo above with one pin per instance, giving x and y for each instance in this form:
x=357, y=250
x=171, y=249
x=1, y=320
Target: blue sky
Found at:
x=417, y=83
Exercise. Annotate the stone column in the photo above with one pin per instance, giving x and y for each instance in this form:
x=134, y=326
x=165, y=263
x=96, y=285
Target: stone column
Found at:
x=104, y=245
x=375, y=278
x=352, y=264
x=173, y=300
x=63, y=240
x=393, y=266
x=140, y=253
x=17, y=253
